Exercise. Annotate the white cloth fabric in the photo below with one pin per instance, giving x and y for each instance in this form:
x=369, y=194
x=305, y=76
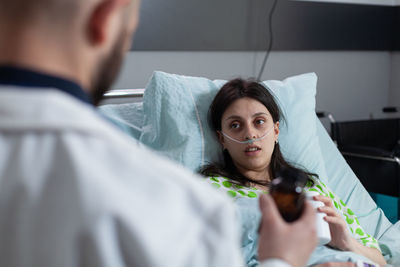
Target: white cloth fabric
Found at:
x=74, y=191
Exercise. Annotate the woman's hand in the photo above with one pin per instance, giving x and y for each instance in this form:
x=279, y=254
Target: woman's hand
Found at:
x=341, y=237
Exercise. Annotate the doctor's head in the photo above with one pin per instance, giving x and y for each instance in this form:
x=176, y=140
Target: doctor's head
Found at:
x=81, y=40
x=245, y=117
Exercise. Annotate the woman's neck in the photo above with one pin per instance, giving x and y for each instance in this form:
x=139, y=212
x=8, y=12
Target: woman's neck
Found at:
x=262, y=176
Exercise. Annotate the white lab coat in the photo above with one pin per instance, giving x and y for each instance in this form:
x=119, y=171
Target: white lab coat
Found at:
x=74, y=191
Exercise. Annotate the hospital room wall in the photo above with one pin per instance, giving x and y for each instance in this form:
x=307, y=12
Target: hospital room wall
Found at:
x=351, y=84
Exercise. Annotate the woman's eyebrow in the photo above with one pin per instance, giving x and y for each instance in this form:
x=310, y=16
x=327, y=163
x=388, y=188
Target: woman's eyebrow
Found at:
x=233, y=117
x=237, y=117
x=259, y=114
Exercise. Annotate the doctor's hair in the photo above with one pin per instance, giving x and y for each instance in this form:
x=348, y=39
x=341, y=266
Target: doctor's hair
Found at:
x=230, y=92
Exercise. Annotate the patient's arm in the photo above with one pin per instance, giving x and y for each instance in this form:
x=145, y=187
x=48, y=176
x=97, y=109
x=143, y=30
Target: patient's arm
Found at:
x=371, y=253
x=341, y=237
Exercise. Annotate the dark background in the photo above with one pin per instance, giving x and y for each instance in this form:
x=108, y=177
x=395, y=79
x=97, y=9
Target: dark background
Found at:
x=242, y=25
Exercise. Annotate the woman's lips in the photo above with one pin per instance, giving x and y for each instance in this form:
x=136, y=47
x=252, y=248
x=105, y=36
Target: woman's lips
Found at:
x=252, y=150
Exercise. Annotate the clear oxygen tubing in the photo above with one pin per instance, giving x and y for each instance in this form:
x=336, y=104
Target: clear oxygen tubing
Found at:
x=250, y=141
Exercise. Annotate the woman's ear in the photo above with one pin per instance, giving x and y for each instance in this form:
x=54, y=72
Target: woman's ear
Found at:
x=221, y=139
x=276, y=129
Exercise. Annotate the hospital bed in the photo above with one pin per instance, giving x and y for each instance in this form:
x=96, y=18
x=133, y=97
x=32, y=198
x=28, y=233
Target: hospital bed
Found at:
x=170, y=117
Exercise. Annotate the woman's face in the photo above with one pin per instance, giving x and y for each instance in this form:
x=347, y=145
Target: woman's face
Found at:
x=245, y=119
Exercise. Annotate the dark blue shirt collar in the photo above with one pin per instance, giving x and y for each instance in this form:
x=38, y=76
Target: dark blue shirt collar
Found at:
x=30, y=79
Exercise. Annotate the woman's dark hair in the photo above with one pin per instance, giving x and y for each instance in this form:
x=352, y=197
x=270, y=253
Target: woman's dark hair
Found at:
x=230, y=92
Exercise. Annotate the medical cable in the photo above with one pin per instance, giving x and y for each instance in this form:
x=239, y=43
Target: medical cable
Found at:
x=271, y=39
x=250, y=141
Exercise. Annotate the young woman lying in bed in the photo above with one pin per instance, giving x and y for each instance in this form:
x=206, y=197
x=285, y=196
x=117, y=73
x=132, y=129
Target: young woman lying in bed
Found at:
x=246, y=118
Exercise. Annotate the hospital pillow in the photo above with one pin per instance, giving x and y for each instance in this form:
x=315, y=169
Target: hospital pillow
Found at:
x=175, y=119
x=128, y=117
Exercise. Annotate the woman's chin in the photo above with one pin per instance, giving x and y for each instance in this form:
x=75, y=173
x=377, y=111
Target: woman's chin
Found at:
x=254, y=165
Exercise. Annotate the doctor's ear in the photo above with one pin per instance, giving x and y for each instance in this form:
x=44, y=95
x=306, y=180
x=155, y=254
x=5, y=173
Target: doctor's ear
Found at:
x=100, y=21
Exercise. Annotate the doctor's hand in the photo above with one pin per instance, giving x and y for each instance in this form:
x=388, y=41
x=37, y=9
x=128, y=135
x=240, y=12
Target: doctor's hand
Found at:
x=341, y=237
x=291, y=242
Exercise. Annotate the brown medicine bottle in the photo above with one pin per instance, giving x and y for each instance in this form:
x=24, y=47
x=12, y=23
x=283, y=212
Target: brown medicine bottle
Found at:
x=288, y=194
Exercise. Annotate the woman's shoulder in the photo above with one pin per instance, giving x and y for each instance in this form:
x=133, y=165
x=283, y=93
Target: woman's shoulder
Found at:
x=232, y=188
x=320, y=187
x=315, y=184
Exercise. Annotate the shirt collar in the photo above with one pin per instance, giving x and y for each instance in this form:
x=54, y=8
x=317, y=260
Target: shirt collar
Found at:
x=30, y=79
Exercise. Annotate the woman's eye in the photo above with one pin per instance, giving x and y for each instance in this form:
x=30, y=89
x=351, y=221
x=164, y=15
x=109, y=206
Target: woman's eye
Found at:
x=260, y=121
x=235, y=125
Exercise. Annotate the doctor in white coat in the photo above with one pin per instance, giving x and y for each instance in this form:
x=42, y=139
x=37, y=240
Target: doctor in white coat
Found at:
x=74, y=191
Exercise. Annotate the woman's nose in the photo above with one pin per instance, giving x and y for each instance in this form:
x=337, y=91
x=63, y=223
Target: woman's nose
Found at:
x=249, y=133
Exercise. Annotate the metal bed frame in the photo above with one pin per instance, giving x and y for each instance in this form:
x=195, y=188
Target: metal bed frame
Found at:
x=122, y=93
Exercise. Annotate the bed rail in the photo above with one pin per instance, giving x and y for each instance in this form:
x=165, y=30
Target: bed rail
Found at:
x=121, y=93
